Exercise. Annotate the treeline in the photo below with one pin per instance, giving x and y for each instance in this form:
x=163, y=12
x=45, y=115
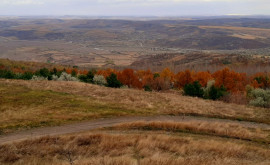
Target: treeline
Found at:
x=225, y=84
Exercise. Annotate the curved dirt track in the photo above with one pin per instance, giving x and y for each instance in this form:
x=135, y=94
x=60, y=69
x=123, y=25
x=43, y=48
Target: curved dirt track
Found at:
x=100, y=123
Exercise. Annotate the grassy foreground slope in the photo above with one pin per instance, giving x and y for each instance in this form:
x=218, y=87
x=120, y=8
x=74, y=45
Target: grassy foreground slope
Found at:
x=27, y=104
x=134, y=148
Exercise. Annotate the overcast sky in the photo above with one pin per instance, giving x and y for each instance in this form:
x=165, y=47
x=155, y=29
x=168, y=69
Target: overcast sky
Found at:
x=134, y=7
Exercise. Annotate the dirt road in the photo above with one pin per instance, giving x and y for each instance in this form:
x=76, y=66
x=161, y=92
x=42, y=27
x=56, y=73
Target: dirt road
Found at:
x=100, y=123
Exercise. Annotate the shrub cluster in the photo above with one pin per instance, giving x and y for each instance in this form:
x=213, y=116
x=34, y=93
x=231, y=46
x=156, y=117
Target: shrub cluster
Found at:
x=65, y=77
x=110, y=81
x=99, y=80
x=113, y=82
x=11, y=75
x=194, y=89
x=260, y=98
x=87, y=78
x=210, y=92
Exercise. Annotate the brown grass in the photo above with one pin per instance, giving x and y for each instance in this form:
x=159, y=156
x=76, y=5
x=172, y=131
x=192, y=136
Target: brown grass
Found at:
x=158, y=103
x=209, y=128
x=133, y=148
x=22, y=108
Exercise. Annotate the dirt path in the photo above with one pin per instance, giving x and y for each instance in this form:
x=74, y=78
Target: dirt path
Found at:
x=100, y=123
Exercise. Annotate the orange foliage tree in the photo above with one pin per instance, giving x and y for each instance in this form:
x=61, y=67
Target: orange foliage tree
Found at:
x=106, y=72
x=146, y=77
x=260, y=80
x=183, y=78
x=83, y=72
x=160, y=84
x=128, y=77
x=17, y=70
x=231, y=80
x=167, y=74
x=69, y=70
x=202, y=77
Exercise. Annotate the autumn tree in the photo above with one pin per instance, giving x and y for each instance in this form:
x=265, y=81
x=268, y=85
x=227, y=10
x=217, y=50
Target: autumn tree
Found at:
x=260, y=80
x=160, y=84
x=84, y=72
x=202, y=77
x=231, y=80
x=106, y=72
x=68, y=71
x=183, y=78
x=128, y=77
x=146, y=78
x=167, y=74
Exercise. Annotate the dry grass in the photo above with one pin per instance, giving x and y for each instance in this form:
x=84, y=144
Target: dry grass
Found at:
x=209, y=128
x=22, y=107
x=158, y=103
x=133, y=148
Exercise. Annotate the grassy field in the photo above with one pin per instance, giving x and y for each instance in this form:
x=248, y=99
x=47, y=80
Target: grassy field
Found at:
x=28, y=104
x=219, y=129
x=133, y=148
x=22, y=108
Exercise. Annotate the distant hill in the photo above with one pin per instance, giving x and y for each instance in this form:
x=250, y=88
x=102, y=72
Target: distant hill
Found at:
x=94, y=42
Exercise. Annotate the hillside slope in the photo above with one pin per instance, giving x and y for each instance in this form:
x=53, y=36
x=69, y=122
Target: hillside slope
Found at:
x=28, y=104
x=156, y=139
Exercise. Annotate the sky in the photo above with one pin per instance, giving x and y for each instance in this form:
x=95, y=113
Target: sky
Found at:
x=134, y=7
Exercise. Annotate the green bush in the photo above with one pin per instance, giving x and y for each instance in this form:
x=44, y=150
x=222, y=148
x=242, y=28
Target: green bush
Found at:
x=212, y=92
x=147, y=88
x=66, y=77
x=113, y=82
x=44, y=72
x=194, y=89
x=99, y=80
x=74, y=73
x=260, y=98
x=55, y=72
x=39, y=78
x=26, y=76
x=87, y=78
x=156, y=75
x=215, y=93
x=7, y=74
